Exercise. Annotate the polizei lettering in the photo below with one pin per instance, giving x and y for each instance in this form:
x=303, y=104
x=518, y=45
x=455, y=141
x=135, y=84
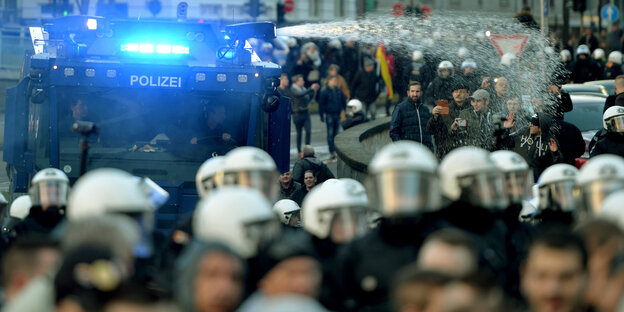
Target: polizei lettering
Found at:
x=155, y=81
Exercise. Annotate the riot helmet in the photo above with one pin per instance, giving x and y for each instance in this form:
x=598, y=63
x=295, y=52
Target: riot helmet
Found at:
x=598, y=54
x=355, y=105
x=613, y=119
x=337, y=211
x=582, y=49
x=599, y=177
x=468, y=174
x=205, y=177
x=288, y=212
x=518, y=176
x=566, y=56
x=556, y=187
x=402, y=180
x=49, y=188
x=445, y=65
x=250, y=167
x=615, y=57
x=612, y=208
x=239, y=217
x=112, y=191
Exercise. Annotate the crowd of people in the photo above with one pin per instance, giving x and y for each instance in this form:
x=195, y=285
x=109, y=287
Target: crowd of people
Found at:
x=476, y=205
x=469, y=233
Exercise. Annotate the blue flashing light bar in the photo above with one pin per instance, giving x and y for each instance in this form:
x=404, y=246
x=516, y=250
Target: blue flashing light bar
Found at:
x=92, y=24
x=150, y=48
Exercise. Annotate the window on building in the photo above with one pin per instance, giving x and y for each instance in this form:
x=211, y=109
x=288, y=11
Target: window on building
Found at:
x=315, y=8
x=455, y=4
x=504, y=4
x=339, y=8
x=234, y=11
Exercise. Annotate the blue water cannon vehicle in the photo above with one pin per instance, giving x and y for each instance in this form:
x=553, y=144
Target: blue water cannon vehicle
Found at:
x=160, y=97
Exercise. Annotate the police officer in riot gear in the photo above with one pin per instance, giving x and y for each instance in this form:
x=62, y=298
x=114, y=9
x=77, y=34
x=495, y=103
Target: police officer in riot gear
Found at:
x=598, y=178
x=48, y=193
x=404, y=189
x=334, y=213
x=556, y=201
x=611, y=142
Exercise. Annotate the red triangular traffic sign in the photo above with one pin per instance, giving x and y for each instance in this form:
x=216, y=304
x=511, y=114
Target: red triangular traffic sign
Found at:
x=509, y=43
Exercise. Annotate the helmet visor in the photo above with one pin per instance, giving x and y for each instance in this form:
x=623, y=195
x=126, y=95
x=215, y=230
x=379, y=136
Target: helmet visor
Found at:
x=487, y=190
x=346, y=223
x=263, y=181
x=558, y=196
x=405, y=192
x=144, y=248
x=260, y=233
x=616, y=124
x=518, y=185
x=208, y=184
x=49, y=194
x=293, y=218
x=593, y=194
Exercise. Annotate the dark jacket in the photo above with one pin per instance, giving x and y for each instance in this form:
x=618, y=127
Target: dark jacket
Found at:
x=439, y=89
x=534, y=149
x=585, y=70
x=356, y=119
x=409, y=122
x=320, y=169
x=364, y=87
x=479, y=129
x=571, y=142
x=332, y=101
x=440, y=129
x=610, y=143
x=301, y=97
x=293, y=193
x=613, y=100
x=39, y=221
x=612, y=70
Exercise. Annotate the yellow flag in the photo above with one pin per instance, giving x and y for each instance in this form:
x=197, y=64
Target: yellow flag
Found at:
x=385, y=72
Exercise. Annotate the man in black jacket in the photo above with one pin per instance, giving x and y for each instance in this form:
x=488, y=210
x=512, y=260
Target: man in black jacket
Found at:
x=301, y=97
x=310, y=162
x=612, y=142
x=409, y=119
x=331, y=104
x=364, y=87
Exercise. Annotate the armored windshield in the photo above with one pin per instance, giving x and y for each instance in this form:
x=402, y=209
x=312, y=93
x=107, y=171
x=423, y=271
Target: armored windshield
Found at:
x=163, y=134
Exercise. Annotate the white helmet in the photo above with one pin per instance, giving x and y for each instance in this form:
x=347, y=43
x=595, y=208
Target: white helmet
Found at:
x=612, y=208
x=556, y=188
x=615, y=57
x=403, y=178
x=549, y=50
x=599, y=177
x=204, y=179
x=613, y=119
x=336, y=211
x=287, y=210
x=462, y=52
x=598, y=54
x=518, y=175
x=252, y=167
x=582, y=49
x=469, y=174
x=566, y=56
x=20, y=207
x=49, y=187
x=107, y=190
x=417, y=56
x=239, y=217
x=507, y=59
x=469, y=63
x=355, y=104
x=445, y=65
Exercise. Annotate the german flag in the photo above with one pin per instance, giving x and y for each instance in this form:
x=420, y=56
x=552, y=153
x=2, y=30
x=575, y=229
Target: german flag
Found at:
x=385, y=71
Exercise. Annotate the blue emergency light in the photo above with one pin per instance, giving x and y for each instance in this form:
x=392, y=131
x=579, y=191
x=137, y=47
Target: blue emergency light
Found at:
x=151, y=48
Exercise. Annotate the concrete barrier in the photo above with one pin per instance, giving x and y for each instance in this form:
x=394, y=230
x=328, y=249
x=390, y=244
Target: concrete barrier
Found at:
x=356, y=146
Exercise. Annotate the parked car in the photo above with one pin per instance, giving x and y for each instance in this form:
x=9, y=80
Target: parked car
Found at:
x=582, y=88
x=587, y=116
x=608, y=84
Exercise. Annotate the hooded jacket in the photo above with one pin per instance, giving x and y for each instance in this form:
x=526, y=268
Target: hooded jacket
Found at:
x=534, y=148
x=321, y=172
